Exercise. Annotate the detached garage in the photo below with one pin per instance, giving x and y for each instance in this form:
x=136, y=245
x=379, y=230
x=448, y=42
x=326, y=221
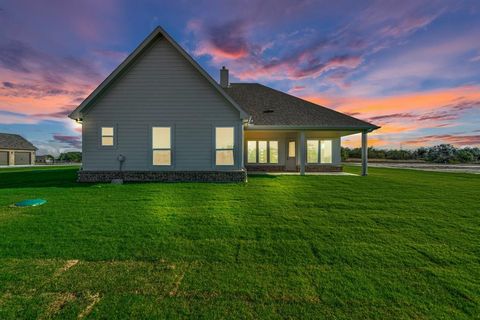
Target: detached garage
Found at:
x=16, y=150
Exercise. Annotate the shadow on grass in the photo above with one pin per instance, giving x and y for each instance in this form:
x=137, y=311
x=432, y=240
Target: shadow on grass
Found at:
x=262, y=175
x=34, y=178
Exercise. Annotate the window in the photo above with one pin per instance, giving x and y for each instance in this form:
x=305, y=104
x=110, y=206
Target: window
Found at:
x=262, y=151
x=291, y=149
x=326, y=151
x=224, y=145
x=312, y=151
x=319, y=151
x=252, y=151
x=162, y=146
x=273, y=152
x=107, y=136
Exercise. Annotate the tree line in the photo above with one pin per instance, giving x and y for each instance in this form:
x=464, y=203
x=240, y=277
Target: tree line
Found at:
x=443, y=153
x=74, y=156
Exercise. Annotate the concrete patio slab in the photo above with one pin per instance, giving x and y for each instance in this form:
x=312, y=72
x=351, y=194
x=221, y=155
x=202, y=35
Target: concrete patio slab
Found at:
x=298, y=173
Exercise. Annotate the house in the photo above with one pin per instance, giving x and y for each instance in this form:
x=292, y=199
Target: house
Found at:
x=160, y=117
x=45, y=159
x=16, y=150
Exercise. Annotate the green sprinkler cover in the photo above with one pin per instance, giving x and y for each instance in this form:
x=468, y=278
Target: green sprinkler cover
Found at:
x=30, y=203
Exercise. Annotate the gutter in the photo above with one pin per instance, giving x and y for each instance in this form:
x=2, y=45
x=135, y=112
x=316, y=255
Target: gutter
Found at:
x=284, y=127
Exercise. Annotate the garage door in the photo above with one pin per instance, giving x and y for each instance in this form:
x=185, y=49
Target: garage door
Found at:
x=22, y=158
x=3, y=158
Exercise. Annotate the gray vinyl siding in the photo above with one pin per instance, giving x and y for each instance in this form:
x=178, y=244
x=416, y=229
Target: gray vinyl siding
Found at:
x=161, y=88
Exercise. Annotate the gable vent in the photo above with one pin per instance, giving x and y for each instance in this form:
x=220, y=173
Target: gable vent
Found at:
x=268, y=111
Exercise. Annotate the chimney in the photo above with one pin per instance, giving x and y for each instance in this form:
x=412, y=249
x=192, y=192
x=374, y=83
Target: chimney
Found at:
x=224, y=77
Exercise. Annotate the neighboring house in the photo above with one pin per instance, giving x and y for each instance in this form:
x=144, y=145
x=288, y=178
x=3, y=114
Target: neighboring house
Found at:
x=45, y=159
x=16, y=150
x=160, y=117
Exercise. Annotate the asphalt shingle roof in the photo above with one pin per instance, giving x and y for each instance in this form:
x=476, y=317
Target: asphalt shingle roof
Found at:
x=270, y=107
x=15, y=141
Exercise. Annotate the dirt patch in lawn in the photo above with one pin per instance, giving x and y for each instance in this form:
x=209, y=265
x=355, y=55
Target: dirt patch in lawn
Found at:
x=58, y=304
x=94, y=299
x=69, y=264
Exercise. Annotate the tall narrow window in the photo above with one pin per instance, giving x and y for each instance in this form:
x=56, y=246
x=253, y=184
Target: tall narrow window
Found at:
x=291, y=149
x=262, y=152
x=326, y=151
x=224, y=146
x=312, y=151
x=162, y=146
x=273, y=151
x=252, y=151
x=107, y=136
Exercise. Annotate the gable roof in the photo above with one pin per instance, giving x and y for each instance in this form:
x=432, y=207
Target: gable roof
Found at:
x=155, y=34
x=273, y=108
x=15, y=142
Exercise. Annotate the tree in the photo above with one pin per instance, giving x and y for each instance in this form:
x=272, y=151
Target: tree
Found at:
x=465, y=156
x=344, y=153
x=73, y=156
x=443, y=153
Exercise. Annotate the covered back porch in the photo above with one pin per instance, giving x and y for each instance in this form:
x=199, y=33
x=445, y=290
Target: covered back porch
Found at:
x=297, y=150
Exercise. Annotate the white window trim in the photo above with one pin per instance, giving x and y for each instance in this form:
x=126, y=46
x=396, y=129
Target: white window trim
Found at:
x=319, y=153
x=268, y=152
x=331, y=151
x=215, y=149
x=152, y=149
x=294, y=149
x=100, y=136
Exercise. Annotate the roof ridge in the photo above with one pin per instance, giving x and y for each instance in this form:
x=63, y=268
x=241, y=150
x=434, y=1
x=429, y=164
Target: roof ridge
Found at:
x=11, y=134
x=146, y=42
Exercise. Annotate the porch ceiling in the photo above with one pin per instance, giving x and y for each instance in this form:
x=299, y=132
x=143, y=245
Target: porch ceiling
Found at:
x=308, y=132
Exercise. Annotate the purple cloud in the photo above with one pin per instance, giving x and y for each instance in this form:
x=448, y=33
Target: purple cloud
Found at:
x=72, y=141
x=36, y=90
x=20, y=57
x=61, y=114
x=14, y=55
x=310, y=54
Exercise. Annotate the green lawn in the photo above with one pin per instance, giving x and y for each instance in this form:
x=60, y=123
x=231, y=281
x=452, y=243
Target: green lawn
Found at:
x=396, y=244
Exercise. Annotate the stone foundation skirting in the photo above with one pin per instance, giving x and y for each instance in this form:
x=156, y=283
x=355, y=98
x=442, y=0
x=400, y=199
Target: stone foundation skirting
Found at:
x=308, y=168
x=265, y=168
x=163, y=176
x=322, y=168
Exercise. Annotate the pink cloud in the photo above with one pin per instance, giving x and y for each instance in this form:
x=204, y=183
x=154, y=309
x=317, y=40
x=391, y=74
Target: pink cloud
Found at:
x=458, y=140
x=408, y=25
x=409, y=113
x=227, y=41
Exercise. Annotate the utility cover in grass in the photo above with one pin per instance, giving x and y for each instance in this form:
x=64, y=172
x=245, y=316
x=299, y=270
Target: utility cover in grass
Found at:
x=30, y=203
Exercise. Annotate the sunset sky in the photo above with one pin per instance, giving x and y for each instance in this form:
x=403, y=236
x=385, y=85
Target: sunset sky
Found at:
x=412, y=67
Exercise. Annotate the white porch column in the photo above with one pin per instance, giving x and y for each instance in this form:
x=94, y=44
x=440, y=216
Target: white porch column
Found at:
x=301, y=155
x=364, y=154
x=11, y=160
x=242, y=146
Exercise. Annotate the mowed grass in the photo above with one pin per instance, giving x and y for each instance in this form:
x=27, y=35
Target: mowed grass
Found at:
x=396, y=244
